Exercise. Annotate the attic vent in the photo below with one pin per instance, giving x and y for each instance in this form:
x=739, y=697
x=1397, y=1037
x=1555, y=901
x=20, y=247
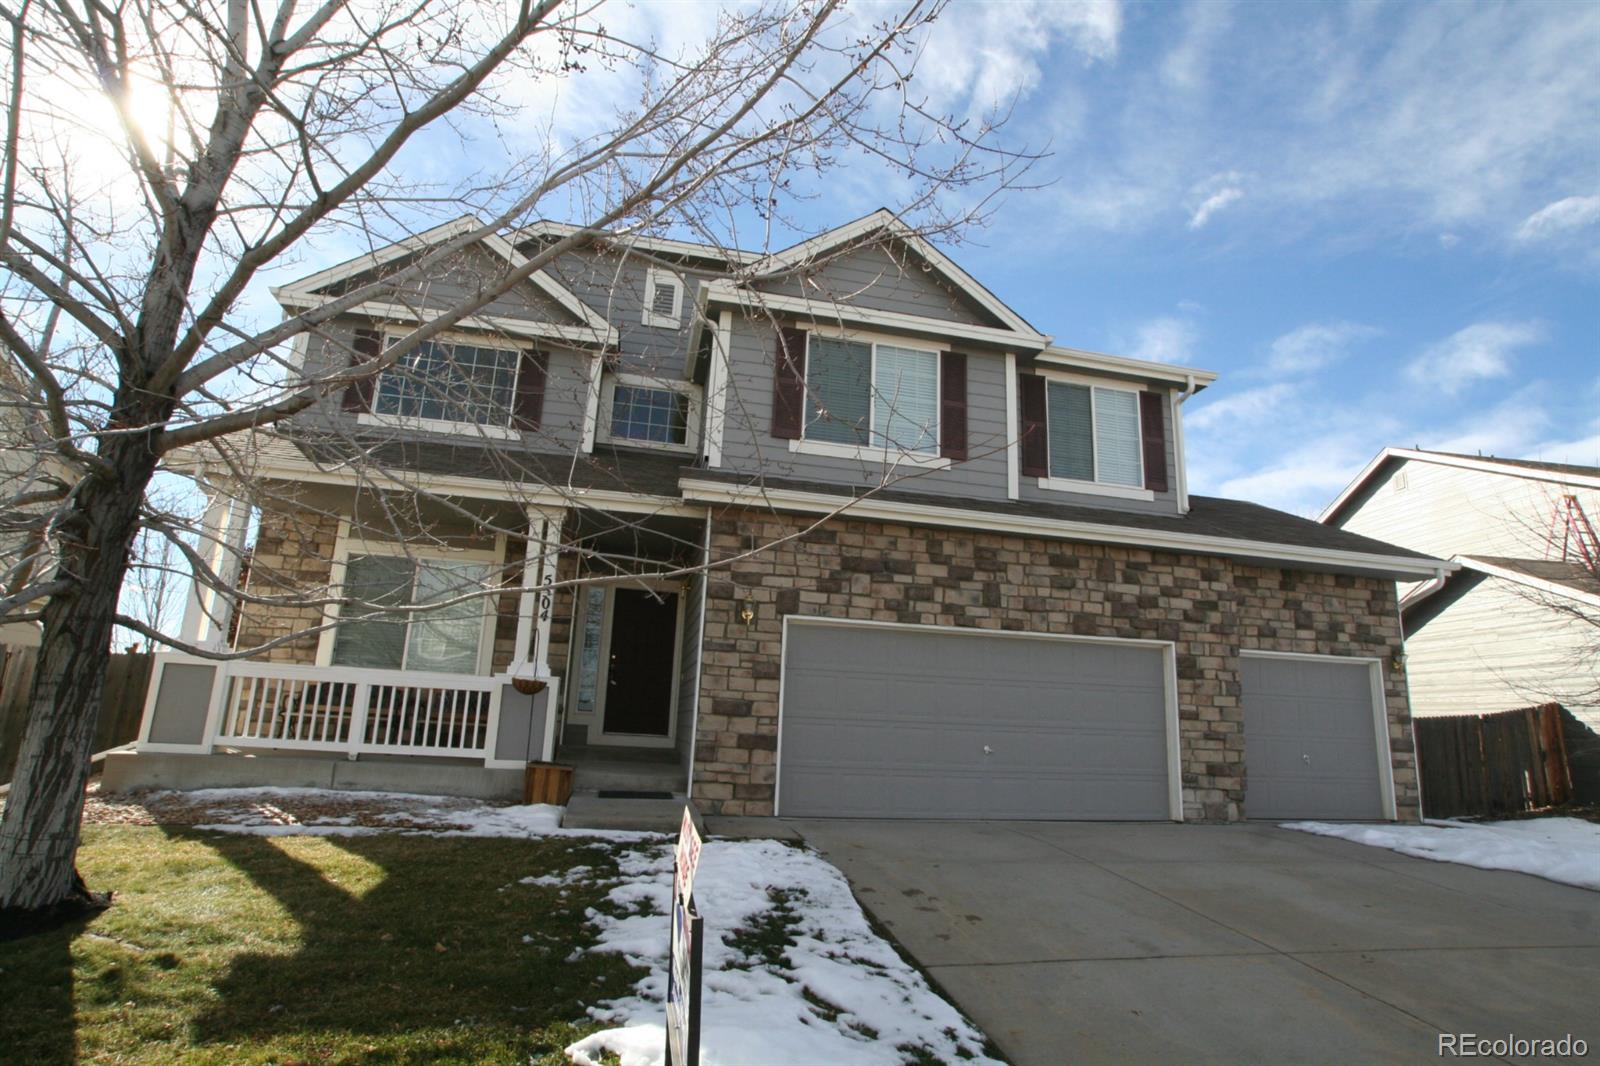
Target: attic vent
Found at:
x=1399, y=481
x=663, y=299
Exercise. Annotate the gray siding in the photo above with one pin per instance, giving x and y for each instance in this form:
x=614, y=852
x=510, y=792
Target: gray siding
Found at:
x=465, y=273
x=749, y=447
x=1165, y=502
x=614, y=286
x=884, y=279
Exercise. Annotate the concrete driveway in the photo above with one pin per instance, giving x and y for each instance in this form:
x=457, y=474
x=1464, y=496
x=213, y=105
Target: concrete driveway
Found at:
x=1073, y=942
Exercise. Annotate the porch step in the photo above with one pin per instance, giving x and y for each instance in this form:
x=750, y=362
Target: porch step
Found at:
x=591, y=775
x=588, y=811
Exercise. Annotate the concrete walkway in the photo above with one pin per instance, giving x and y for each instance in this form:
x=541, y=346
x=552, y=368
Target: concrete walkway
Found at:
x=1099, y=943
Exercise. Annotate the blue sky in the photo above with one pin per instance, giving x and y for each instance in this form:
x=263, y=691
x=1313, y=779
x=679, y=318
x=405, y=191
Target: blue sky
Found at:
x=1379, y=222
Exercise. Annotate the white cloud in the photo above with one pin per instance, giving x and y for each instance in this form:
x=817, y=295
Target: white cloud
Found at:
x=1316, y=345
x=1212, y=204
x=1164, y=339
x=1563, y=216
x=980, y=56
x=1376, y=119
x=1478, y=353
x=1242, y=410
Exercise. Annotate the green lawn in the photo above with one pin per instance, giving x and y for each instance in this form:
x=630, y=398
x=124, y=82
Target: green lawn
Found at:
x=242, y=949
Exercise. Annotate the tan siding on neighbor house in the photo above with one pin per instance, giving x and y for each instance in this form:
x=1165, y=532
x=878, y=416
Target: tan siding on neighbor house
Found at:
x=1498, y=648
x=1445, y=510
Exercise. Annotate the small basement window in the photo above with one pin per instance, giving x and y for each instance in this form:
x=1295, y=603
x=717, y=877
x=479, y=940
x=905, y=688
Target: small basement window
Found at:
x=663, y=299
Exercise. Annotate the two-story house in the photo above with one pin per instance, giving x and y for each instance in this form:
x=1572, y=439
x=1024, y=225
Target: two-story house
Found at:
x=829, y=532
x=1518, y=622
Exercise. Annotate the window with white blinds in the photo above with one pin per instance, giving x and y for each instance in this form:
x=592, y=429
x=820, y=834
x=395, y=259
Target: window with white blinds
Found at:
x=445, y=640
x=878, y=394
x=1094, y=434
x=905, y=399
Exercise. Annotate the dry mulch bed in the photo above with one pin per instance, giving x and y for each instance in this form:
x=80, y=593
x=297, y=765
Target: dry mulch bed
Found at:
x=376, y=810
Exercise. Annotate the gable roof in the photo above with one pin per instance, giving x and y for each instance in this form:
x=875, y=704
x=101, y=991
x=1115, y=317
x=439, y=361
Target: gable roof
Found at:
x=1562, y=473
x=304, y=291
x=884, y=223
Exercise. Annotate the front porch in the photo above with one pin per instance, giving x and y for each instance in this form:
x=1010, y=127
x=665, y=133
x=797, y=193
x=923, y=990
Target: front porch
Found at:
x=326, y=710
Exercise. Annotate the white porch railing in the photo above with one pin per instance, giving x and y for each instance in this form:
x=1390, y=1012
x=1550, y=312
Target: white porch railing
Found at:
x=335, y=708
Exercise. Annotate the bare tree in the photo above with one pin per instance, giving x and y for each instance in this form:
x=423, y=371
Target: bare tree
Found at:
x=226, y=134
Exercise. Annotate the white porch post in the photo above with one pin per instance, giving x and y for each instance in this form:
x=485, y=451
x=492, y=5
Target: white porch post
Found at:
x=208, y=613
x=537, y=602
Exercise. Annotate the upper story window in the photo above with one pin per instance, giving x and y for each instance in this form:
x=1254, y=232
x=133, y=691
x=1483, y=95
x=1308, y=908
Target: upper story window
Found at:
x=649, y=412
x=1094, y=434
x=663, y=299
x=1088, y=436
x=449, y=382
x=873, y=394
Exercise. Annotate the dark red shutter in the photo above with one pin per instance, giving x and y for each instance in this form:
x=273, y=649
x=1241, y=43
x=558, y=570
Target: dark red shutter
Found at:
x=953, y=406
x=527, y=409
x=1035, y=435
x=789, y=385
x=366, y=346
x=1153, y=434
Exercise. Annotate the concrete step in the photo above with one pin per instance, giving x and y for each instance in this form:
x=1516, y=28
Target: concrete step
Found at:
x=596, y=775
x=588, y=811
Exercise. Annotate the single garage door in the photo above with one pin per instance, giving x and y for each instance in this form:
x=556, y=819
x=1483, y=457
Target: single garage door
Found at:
x=1311, y=746
x=911, y=722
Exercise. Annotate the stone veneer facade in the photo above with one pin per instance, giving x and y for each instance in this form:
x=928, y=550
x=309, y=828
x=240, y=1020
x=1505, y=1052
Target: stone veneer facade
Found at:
x=1210, y=606
x=293, y=554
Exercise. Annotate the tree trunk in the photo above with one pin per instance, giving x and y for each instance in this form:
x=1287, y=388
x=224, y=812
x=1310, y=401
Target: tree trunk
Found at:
x=39, y=833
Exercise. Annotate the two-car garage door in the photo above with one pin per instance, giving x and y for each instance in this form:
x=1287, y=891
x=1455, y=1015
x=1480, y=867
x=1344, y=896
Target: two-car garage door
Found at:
x=888, y=721
x=915, y=722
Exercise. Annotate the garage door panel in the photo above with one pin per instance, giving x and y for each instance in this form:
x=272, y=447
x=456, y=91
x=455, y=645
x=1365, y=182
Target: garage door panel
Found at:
x=884, y=722
x=1310, y=745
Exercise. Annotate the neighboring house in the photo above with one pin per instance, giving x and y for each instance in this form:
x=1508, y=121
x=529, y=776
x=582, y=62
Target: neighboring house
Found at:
x=1032, y=618
x=1519, y=622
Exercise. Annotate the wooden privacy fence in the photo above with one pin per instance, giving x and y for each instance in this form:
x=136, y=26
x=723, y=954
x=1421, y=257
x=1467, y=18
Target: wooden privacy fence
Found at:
x=1489, y=764
x=120, y=713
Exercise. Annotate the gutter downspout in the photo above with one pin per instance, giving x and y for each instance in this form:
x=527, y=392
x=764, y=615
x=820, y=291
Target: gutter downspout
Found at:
x=1189, y=389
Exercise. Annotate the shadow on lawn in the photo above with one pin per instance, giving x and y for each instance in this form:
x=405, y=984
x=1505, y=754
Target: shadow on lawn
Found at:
x=45, y=993
x=436, y=945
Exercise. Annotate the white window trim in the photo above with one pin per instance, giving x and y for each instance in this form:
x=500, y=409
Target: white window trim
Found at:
x=345, y=545
x=444, y=425
x=877, y=453
x=608, y=390
x=654, y=276
x=1095, y=487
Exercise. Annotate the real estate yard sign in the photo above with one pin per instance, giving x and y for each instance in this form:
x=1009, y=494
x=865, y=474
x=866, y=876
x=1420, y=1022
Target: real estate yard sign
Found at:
x=683, y=966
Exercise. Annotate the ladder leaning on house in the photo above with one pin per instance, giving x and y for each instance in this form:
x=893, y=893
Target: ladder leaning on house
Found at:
x=1572, y=535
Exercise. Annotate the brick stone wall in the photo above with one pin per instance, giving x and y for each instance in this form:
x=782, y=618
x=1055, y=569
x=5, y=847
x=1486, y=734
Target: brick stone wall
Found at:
x=293, y=555
x=1210, y=607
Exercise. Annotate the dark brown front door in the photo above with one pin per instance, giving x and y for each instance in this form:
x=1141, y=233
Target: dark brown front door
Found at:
x=639, y=681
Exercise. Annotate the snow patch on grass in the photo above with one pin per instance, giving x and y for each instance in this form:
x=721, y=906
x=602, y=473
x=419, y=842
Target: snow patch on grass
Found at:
x=1558, y=849
x=793, y=972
